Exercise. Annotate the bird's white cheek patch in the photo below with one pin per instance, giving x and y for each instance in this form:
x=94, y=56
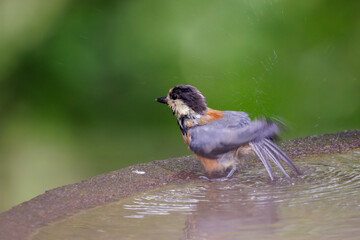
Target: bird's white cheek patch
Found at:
x=180, y=108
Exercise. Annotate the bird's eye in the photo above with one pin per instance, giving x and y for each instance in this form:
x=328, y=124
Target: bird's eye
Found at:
x=175, y=96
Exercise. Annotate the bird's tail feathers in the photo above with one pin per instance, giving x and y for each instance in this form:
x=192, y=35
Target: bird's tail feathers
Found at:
x=267, y=150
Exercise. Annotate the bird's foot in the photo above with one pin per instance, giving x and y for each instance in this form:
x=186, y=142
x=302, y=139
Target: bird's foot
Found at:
x=222, y=179
x=204, y=178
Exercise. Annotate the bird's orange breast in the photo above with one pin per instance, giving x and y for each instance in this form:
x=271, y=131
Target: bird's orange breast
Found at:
x=210, y=165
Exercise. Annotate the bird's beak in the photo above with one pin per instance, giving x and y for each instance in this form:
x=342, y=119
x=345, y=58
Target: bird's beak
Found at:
x=162, y=100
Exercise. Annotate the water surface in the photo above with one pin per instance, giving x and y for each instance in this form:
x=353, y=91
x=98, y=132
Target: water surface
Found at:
x=324, y=203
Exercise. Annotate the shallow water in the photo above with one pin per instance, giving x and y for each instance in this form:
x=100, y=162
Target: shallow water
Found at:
x=324, y=203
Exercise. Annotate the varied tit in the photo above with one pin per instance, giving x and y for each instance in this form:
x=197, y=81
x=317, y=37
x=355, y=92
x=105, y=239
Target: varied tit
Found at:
x=221, y=138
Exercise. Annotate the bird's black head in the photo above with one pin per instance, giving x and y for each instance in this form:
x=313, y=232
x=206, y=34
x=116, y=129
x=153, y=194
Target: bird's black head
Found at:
x=185, y=100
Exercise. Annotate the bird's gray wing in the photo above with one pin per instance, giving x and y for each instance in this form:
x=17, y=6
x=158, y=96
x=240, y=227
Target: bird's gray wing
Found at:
x=226, y=134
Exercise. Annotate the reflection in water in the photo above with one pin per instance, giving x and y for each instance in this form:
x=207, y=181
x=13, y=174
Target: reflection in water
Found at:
x=324, y=203
x=230, y=211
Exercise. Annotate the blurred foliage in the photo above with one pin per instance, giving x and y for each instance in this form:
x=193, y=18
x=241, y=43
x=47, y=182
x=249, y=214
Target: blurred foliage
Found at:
x=78, y=81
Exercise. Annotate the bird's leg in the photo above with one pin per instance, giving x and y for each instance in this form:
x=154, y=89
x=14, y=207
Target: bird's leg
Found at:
x=231, y=172
x=221, y=179
x=228, y=176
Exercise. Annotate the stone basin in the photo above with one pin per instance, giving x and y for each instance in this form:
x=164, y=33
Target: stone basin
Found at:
x=33, y=218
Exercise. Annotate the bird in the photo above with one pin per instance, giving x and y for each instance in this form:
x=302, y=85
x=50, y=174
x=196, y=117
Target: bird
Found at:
x=220, y=139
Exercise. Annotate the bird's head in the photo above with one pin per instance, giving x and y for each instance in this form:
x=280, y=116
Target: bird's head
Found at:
x=185, y=101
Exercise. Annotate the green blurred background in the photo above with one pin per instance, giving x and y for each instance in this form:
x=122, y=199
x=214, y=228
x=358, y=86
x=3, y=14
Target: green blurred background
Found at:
x=78, y=80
